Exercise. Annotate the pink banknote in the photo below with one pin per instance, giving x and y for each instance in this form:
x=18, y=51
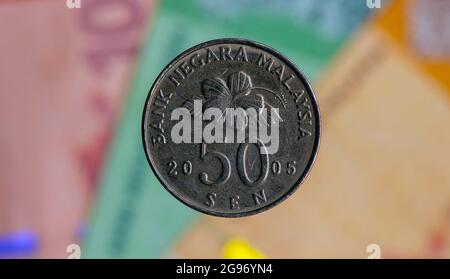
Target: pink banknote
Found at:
x=64, y=73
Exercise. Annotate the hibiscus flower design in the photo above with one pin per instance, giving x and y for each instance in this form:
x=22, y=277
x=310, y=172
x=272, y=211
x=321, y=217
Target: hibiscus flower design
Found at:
x=238, y=93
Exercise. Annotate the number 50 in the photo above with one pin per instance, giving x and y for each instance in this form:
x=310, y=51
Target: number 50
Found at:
x=241, y=160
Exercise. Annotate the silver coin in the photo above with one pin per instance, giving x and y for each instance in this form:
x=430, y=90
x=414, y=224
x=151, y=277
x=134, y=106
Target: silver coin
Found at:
x=231, y=127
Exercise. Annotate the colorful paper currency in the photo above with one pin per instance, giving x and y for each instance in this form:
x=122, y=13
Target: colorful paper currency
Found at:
x=134, y=215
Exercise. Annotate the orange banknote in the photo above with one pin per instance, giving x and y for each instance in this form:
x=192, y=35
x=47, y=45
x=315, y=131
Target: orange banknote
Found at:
x=381, y=184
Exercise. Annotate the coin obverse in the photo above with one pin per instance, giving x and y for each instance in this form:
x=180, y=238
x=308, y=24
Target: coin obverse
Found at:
x=231, y=127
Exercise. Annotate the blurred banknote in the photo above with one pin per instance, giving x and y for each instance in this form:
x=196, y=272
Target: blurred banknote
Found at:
x=63, y=75
x=381, y=184
x=134, y=216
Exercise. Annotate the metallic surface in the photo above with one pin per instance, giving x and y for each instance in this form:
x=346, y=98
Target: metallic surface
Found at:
x=232, y=179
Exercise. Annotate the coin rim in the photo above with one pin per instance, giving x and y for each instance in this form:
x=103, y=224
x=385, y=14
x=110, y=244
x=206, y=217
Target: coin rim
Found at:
x=294, y=68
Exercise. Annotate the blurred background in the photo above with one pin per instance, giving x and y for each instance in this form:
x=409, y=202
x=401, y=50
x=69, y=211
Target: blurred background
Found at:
x=74, y=180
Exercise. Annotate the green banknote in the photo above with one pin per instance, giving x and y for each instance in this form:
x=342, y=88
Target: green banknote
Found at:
x=134, y=217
